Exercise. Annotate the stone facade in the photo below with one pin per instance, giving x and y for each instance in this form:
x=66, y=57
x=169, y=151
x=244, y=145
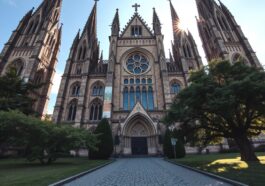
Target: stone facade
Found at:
x=142, y=82
x=33, y=48
x=137, y=84
x=222, y=37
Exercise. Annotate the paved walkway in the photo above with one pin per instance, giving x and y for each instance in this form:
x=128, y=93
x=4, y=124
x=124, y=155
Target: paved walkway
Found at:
x=144, y=172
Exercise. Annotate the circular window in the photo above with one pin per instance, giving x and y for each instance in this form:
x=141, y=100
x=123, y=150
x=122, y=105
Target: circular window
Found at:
x=137, y=64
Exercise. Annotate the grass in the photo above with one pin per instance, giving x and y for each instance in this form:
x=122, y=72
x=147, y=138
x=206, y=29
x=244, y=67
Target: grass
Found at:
x=18, y=172
x=229, y=166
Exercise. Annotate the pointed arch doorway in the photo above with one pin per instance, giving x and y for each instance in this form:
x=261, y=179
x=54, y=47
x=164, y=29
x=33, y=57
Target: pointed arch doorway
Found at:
x=139, y=136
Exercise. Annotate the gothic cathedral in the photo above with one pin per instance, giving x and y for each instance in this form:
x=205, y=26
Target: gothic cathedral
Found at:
x=33, y=48
x=137, y=84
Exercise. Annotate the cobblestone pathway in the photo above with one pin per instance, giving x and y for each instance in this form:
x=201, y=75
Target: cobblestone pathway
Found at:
x=144, y=172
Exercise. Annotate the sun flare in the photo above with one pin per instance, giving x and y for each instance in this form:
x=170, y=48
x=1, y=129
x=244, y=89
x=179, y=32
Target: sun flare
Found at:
x=179, y=26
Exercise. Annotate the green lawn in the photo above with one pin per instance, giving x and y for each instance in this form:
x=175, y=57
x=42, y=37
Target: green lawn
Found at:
x=18, y=172
x=229, y=166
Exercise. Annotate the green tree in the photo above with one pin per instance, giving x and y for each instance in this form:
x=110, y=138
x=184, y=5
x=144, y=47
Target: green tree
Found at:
x=223, y=101
x=105, y=145
x=167, y=147
x=41, y=140
x=180, y=148
x=14, y=93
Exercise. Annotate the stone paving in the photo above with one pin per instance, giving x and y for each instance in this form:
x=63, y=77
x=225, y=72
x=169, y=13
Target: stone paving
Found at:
x=144, y=172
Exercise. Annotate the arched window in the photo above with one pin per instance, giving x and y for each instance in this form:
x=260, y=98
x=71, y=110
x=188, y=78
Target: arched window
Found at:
x=126, y=81
x=138, y=94
x=185, y=52
x=38, y=77
x=144, y=97
x=132, y=98
x=149, y=81
x=138, y=81
x=175, y=88
x=131, y=81
x=84, y=53
x=36, y=24
x=225, y=23
x=98, y=90
x=239, y=58
x=143, y=81
x=80, y=53
x=29, y=28
x=125, y=98
x=78, y=70
x=150, y=98
x=189, y=51
x=17, y=66
x=76, y=89
x=220, y=23
x=72, y=111
x=96, y=111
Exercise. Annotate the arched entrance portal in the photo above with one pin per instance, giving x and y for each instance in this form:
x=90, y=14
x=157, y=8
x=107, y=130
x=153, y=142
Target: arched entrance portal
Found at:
x=139, y=136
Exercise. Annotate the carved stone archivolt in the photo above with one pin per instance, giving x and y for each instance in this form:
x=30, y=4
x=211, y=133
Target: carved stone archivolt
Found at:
x=139, y=126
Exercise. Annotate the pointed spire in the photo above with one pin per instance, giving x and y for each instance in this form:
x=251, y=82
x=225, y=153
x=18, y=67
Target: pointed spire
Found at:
x=170, y=56
x=224, y=8
x=174, y=14
x=156, y=23
x=209, y=4
x=175, y=22
x=91, y=25
x=101, y=57
x=115, y=27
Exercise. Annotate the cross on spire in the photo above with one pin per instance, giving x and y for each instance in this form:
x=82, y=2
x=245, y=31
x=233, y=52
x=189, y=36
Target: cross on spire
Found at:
x=136, y=6
x=96, y=1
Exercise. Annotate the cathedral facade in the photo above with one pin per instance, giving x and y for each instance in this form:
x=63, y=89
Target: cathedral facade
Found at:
x=136, y=85
x=133, y=88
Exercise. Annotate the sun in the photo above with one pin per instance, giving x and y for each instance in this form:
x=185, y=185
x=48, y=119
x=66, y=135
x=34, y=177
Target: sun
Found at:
x=179, y=26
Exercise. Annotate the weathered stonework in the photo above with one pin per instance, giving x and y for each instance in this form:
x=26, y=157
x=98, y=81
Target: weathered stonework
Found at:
x=34, y=45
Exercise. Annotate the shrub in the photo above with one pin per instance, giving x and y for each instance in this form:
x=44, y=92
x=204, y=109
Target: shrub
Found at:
x=41, y=140
x=180, y=149
x=167, y=147
x=105, y=145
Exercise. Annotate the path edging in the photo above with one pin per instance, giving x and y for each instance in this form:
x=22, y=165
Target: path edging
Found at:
x=233, y=182
x=72, y=178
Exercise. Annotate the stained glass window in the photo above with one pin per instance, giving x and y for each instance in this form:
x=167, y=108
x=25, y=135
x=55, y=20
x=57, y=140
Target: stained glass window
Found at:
x=175, y=88
x=144, y=98
x=132, y=99
x=125, y=98
x=137, y=64
x=150, y=99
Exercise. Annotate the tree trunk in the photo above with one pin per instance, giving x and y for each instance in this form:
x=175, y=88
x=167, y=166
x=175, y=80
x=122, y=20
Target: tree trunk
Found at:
x=246, y=149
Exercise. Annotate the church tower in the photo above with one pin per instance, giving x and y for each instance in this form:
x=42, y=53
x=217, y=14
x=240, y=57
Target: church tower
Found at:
x=222, y=37
x=184, y=48
x=83, y=70
x=33, y=48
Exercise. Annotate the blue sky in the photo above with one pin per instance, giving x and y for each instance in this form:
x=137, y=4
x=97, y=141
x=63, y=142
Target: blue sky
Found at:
x=249, y=14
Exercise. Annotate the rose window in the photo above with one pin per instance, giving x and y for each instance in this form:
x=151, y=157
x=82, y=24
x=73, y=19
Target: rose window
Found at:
x=137, y=64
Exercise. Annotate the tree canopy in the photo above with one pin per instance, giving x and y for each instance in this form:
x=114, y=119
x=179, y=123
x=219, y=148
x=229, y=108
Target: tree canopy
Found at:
x=223, y=101
x=14, y=93
x=41, y=140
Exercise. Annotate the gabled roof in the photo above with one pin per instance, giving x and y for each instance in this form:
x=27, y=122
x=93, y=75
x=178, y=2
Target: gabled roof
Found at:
x=136, y=15
x=138, y=109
